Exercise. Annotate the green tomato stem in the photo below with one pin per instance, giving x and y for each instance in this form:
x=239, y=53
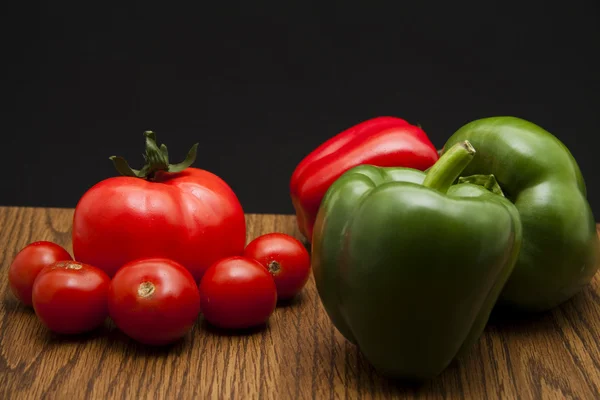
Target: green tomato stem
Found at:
x=449, y=166
x=157, y=159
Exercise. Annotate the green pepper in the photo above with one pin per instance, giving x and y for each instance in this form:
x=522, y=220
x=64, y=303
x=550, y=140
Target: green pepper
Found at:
x=409, y=266
x=539, y=175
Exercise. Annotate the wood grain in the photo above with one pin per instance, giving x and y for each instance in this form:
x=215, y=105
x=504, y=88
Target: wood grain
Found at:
x=298, y=355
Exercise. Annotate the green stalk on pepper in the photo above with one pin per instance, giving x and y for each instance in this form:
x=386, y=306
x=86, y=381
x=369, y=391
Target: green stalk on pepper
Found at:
x=409, y=265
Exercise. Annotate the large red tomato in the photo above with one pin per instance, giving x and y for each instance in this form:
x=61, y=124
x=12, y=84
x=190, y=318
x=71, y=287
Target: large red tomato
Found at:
x=185, y=214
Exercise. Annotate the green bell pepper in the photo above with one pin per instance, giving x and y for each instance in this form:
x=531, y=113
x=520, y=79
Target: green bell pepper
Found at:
x=409, y=266
x=536, y=171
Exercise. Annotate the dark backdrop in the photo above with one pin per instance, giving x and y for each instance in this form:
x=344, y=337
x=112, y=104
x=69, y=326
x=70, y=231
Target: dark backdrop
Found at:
x=260, y=85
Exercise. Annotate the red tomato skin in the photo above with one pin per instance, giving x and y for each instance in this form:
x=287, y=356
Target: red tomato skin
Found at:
x=192, y=217
x=69, y=300
x=28, y=263
x=237, y=293
x=162, y=317
x=286, y=258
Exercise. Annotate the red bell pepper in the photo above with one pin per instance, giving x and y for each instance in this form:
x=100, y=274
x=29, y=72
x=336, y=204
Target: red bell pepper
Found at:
x=380, y=141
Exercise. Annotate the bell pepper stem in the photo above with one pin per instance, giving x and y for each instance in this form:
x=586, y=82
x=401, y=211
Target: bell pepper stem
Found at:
x=449, y=166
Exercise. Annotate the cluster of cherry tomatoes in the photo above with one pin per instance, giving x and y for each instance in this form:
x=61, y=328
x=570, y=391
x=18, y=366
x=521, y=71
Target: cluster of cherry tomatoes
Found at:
x=156, y=300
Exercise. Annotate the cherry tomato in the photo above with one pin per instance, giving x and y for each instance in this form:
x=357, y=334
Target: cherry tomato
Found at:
x=237, y=292
x=154, y=300
x=70, y=297
x=286, y=258
x=28, y=263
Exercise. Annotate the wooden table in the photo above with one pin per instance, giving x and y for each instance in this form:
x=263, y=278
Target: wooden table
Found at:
x=298, y=355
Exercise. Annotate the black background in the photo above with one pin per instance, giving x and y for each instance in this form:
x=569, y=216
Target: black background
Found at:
x=259, y=85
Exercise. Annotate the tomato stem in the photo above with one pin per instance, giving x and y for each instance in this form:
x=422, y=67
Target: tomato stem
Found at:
x=274, y=267
x=146, y=289
x=157, y=159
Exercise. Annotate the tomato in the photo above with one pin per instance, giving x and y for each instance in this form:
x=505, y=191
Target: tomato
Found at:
x=191, y=216
x=28, y=263
x=286, y=258
x=154, y=301
x=70, y=297
x=236, y=293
